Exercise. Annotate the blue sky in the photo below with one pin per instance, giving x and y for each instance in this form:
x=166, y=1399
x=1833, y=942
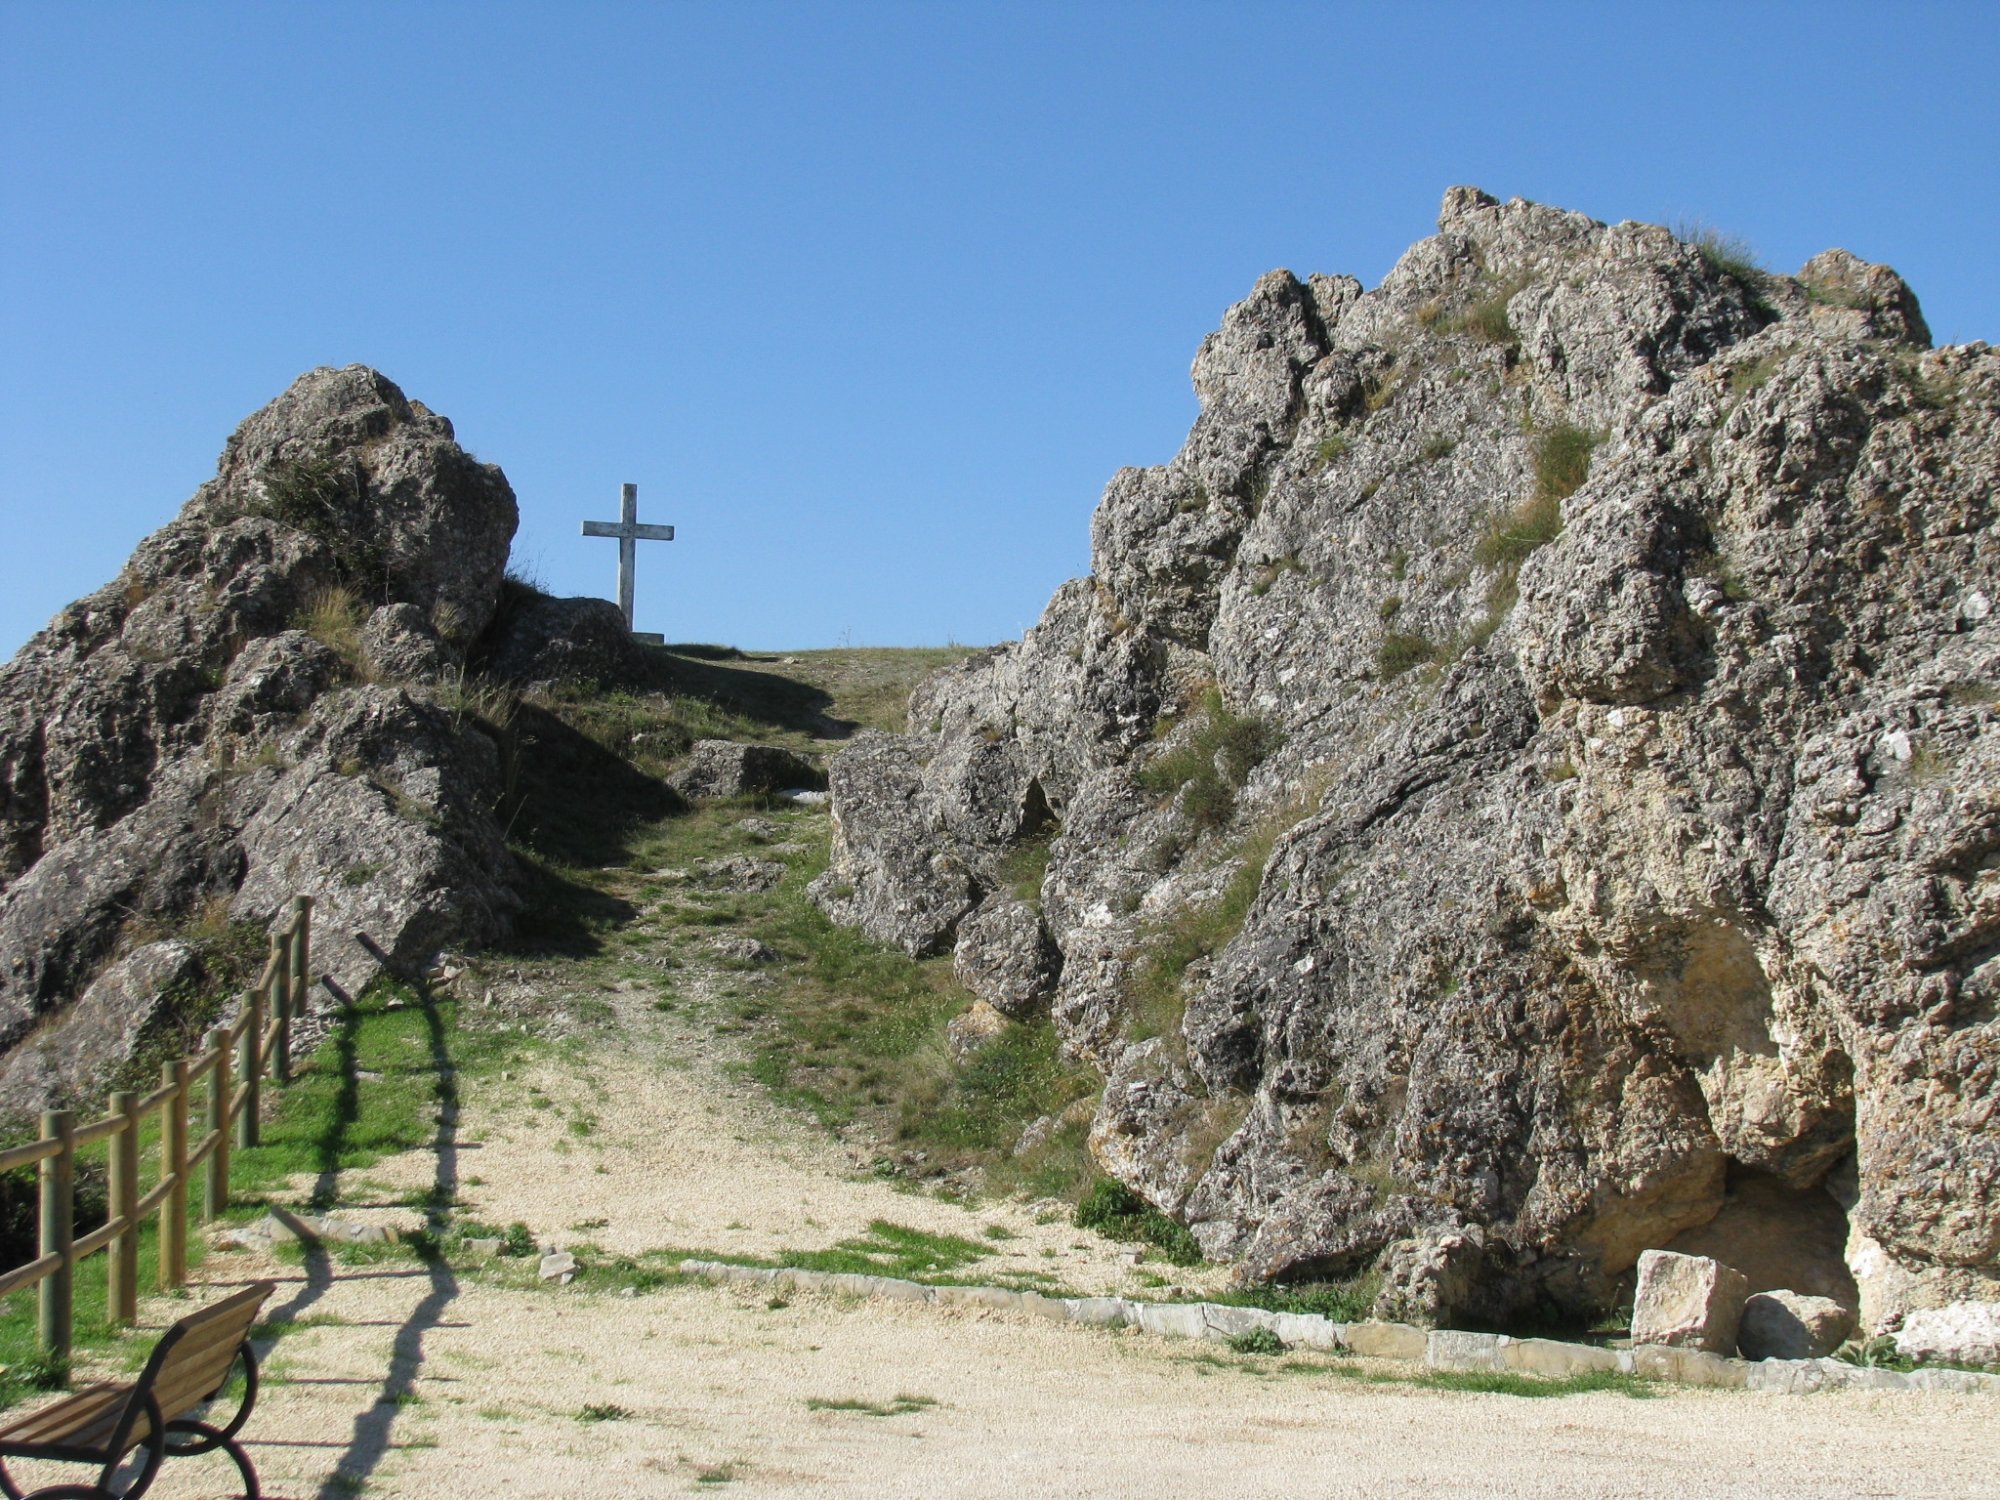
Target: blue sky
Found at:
x=870, y=300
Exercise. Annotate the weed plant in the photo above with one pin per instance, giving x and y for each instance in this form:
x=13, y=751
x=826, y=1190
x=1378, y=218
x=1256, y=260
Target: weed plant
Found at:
x=1211, y=765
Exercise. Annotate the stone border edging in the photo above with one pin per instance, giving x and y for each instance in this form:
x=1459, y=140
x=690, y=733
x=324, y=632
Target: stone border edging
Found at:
x=1437, y=1349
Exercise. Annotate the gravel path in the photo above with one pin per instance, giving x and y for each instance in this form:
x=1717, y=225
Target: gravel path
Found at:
x=412, y=1381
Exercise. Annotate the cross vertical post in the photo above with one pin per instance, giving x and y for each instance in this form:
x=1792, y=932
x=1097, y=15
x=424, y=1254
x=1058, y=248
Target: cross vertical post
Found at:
x=629, y=533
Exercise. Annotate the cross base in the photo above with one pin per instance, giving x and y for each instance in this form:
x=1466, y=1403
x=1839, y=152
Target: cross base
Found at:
x=649, y=638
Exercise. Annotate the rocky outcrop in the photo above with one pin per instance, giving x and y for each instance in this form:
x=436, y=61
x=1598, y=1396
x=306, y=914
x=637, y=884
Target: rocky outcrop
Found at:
x=716, y=769
x=263, y=703
x=1544, y=716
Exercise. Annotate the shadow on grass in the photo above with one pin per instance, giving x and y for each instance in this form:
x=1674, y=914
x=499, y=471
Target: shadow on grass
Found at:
x=369, y=1439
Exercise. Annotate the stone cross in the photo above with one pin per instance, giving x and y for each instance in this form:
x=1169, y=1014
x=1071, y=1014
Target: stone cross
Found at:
x=629, y=533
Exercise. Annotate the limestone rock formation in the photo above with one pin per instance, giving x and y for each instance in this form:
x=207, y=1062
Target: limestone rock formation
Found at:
x=1545, y=717
x=257, y=706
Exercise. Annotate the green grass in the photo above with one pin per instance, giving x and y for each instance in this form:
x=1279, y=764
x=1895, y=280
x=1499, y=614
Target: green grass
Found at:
x=1208, y=768
x=1256, y=1341
x=1724, y=254
x=603, y=1411
x=1403, y=651
x=858, y=1032
x=900, y=1406
x=1487, y=321
x=1115, y=1211
x=1155, y=998
x=1331, y=449
x=331, y=1119
x=891, y=1250
x=1348, y=1301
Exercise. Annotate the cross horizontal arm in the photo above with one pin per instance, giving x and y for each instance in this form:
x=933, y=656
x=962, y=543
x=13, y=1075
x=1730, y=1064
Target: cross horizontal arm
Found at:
x=620, y=530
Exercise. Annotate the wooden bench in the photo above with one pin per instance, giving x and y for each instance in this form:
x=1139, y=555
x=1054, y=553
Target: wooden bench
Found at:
x=108, y=1424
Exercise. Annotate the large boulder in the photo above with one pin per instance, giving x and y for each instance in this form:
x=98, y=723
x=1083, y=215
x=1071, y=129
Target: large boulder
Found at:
x=1615, y=626
x=1962, y=1332
x=540, y=640
x=1687, y=1302
x=1004, y=957
x=1787, y=1325
x=107, y=1026
x=715, y=769
x=893, y=873
x=201, y=733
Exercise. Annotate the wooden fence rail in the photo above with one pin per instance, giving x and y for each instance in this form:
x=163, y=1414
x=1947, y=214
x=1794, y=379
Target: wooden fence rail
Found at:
x=231, y=1067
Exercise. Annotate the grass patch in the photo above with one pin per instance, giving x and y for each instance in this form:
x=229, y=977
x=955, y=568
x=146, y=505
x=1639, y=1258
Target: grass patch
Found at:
x=1027, y=863
x=1156, y=1000
x=333, y=616
x=322, y=498
x=1349, y=1301
x=1724, y=254
x=603, y=1411
x=1208, y=768
x=1115, y=1211
x=1256, y=1341
x=890, y=1250
x=1333, y=448
x=1402, y=651
x=1487, y=321
x=1751, y=374
x=900, y=1406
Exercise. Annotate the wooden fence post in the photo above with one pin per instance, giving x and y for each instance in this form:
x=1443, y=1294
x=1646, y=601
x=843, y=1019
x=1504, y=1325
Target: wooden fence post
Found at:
x=285, y=946
x=121, y=1261
x=174, y=1166
x=252, y=1067
x=215, y=1191
x=58, y=1235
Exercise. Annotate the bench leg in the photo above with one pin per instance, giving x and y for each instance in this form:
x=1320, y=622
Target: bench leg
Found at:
x=203, y=1439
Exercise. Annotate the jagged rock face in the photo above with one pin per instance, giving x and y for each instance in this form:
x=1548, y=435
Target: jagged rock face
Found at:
x=1632, y=834
x=172, y=740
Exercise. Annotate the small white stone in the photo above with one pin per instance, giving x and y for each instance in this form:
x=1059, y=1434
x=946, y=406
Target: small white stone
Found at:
x=1896, y=745
x=558, y=1265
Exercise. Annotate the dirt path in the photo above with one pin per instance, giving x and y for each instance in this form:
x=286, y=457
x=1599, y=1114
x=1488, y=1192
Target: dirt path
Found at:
x=415, y=1381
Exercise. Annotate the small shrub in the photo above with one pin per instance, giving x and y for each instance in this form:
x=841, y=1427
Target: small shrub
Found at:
x=1724, y=254
x=1562, y=461
x=1487, y=320
x=1338, y=1301
x=1115, y=1211
x=1437, y=447
x=518, y=1240
x=316, y=496
x=1212, y=763
x=1388, y=607
x=1401, y=651
x=1332, y=448
x=333, y=616
x=1256, y=1341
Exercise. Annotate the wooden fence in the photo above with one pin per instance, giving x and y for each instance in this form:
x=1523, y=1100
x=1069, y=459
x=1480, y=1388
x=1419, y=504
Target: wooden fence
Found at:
x=257, y=1042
